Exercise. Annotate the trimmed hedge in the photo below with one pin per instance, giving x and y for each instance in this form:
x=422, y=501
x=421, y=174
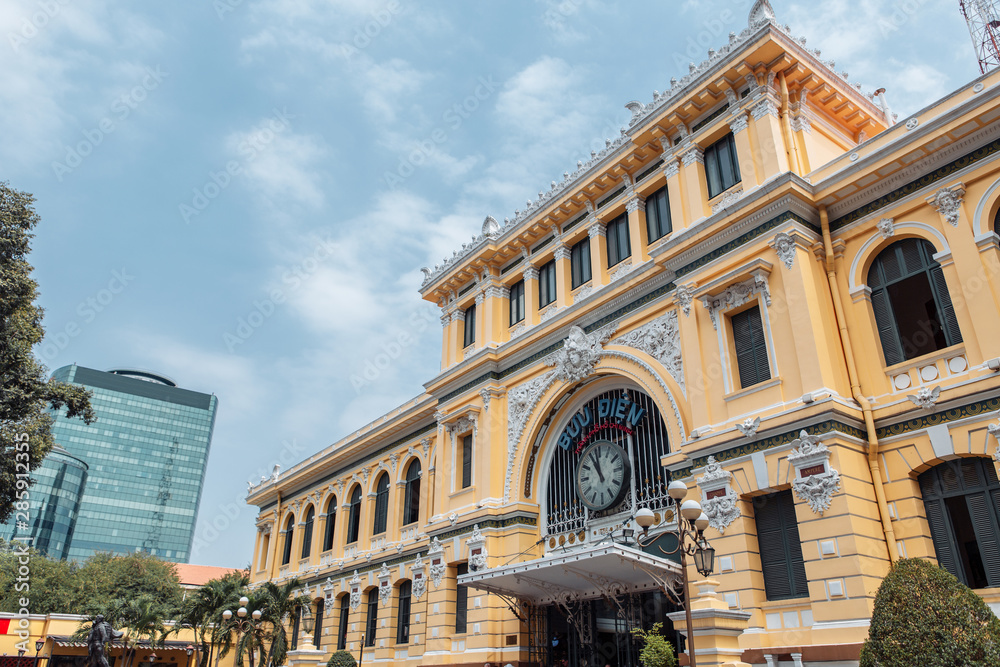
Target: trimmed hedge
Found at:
x=341, y=659
x=925, y=616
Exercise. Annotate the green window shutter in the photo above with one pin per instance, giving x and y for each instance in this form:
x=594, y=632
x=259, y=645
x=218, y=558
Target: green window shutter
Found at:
x=751, y=347
x=984, y=522
x=461, y=602
x=466, y=461
x=780, y=549
x=345, y=609
x=949, y=322
x=886, y=324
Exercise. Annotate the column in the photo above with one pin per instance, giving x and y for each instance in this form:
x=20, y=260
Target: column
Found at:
x=492, y=315
x=672, y=172
x=530, y=296
x=480, y=341
x=770, y=156
x=564, y=276
x=598, y=251
x=457, y=333
x=500, y=311
x=716, y=627
x=695, y=183
x=637, y=231
x=739, y=124
x=446, y=350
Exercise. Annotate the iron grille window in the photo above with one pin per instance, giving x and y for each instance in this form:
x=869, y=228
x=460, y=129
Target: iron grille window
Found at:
x=722, y=168
x=461, y=602
x=658, y=222
x=579, y=261
x=411, y=497
x=780, y=549
x=403, y=614
x=516, y=303
x=751, y=347
x=345, y=610
x=371, y=626
x=619, y=246
x=318, y=631
x=466, y=461
x=381, y=504
x=962, y=502
x=470, y=326
x=286, y=555
x=331, y=524
x=910, y=299
x=546, y=284
x=307, y=533
x=354, y=516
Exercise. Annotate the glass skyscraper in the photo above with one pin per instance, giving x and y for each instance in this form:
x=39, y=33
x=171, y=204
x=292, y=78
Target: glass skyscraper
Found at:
x=146, y=453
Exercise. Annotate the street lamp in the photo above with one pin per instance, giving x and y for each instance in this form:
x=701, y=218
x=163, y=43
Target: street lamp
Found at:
x=242, y=623
x=38, y=647
x=690, y=534
x=189, y=649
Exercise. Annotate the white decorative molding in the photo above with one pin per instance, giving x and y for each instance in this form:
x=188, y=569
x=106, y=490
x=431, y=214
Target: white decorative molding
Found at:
x=634, y=203
x=597, y=228
x=815, y=481
x=583, y=292
x=784, y=245
x=693, y=155
x=727, y=200
x=764, y=107
x=621, y=270
x=517, y=330
x=521, y=401
x=948, y=202
x=437, y=566
x=684, y=294
x=547, y=313
x=749, y=427
x=661, y=340
x=328, y=590
x=760, y=14
x=671, y=167
x=886, y=227
x=925, y=397
x=579, y=354
x=736, y=295
x=418, y=576
x=739, y=123
x=476, y=545
x=384, y=585
x=721, y=509
x=355, y=584
x=491, y=228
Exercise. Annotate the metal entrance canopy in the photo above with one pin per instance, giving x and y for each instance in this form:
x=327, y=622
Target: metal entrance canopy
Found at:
x=605, y=571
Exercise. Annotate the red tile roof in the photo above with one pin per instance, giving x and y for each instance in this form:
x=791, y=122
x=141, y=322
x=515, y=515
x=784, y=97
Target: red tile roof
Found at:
x=199, y=575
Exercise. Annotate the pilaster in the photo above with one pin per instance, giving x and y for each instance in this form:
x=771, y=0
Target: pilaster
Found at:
x=564, y=276
x=638, y=233
x=771, y=156
x=598, y=251
x=739, y=124
x=675, y=193
x=530, y=296
x=695, y=183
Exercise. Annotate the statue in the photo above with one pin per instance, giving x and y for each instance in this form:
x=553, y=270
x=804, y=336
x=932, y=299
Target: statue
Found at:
x=101, y=633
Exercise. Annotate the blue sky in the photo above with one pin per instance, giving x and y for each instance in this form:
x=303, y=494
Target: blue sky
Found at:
x=239, y=194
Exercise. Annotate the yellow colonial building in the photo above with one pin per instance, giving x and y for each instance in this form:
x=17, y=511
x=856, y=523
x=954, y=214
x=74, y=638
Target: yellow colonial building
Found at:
x=766, y=288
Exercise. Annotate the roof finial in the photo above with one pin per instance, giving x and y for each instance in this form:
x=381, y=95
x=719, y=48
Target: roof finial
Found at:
x=761, y=13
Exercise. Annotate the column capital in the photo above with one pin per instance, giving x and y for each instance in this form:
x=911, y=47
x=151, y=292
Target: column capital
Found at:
x=531, y=272
x=633, y=204
x=738, y=123
x=562, y=251
x=693, y=154
x=764, y=107
x=671, y=167
x=597, y=228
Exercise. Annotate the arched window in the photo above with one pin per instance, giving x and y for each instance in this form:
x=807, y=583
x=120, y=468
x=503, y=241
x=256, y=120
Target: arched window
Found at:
x=912, y=306
x=331, y=523
x=286, y=554
x=411, y=498
x=381, y=504
x=345, y=610
x=307, y=532
x=354, y=515
x=962, y=502
x=996, y=223
x=371, y=626
x=403, y=613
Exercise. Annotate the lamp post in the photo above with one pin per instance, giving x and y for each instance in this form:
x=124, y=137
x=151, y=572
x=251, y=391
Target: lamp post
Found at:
x=308, y=620
x=690, y=534
x=38, y=647
x=20, y=654
x=242, y=623
x=189, y=649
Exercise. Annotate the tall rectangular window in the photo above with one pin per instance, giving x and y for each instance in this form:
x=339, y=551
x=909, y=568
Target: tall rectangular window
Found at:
x=722, y=168
x=371, y=626
x=751, y=347
x=516, y=303
x=470, y=326
x=579, y=262
x=403, y=613
x=658, y=222
x=780, y=549
x=345, y=609
x=619, y=246
x=295, y=629
x=466, y=461
x=546, y=284
x=318, y=628
x=461, y=602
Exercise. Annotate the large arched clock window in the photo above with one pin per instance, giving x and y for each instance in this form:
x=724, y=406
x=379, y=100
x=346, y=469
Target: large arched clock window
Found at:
x=606, y=461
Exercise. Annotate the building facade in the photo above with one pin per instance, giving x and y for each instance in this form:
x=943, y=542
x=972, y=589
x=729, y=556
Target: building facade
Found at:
x=146, y=456
x=58, y=488
x=765, y=288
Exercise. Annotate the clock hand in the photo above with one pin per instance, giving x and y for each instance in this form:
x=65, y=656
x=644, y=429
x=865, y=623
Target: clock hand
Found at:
x=597, y=466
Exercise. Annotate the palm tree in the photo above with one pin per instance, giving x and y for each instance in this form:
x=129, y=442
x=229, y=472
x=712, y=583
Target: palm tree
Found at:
x=279, y=604
x=202, y=611
x=143, y=618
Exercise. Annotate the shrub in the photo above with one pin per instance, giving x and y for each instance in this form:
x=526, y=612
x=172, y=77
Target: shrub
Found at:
x=656, y=650
x=341, y=659
x=925, y=616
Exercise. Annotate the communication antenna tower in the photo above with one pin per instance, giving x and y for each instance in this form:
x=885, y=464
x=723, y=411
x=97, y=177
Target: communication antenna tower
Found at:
x=984, y=24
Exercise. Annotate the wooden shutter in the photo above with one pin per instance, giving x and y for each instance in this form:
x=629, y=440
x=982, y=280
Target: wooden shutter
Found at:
x=466, y=461
x=461, y=602
x=345, y=609
x=751, y=347
x=886, y=324
x=984, y=522
x=780, y=549
x=319, y=623
x=946, y=310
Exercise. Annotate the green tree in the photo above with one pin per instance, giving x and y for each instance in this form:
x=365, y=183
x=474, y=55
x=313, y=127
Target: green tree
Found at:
x=142, y=619
x=50, y=584
x=341, y=659
x=25, y=393
x=107, y=577
x=202, y=610
x=278, y=604
x=656, y=650
x=924, y=616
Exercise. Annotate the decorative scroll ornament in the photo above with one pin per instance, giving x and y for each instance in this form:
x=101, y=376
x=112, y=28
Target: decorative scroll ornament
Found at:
x=736, y=295
x=355, y=591
x=720, y=508
x=815, y=481
x=749, y=427
x=727, y=200
x=579, y=354
x=477, y=550
x=886, y=227
x=436, y=556
x=661, y=340
x=328, y=590
x=784, y=245
x=925, y=398
x=384, y=585
x=521, y=401
x=948, y=202
x=419, y=577
x=685, y=295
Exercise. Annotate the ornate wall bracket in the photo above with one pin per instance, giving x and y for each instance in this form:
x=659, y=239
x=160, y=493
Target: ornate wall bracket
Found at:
x=925, y=397
x=418, y=575
x=355, y=591
x=436, y=556
x=476, y=546
x=384, y=585
x=719, y=501
x=948, y=202
x=815, y=481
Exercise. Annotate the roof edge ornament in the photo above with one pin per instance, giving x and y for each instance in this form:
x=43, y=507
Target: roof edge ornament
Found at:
x=761, y=13
x=491, y=228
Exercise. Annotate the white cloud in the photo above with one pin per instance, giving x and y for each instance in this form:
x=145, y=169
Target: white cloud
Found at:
x=280, y=166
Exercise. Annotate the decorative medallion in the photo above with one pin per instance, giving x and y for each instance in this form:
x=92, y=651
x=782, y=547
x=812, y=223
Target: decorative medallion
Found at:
x=925, y=397
x=419, y=577
x=719, y=501
x=948, y=202
x=661, y=340
x=749, y=427
x=684, y=294
x=886, y=227
x=784, y=245
x=579, y=354
x=384, y=585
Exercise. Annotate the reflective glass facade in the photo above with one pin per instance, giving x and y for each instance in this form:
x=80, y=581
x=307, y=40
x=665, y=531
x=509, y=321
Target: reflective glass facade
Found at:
x=54, y=501
x=147, y=454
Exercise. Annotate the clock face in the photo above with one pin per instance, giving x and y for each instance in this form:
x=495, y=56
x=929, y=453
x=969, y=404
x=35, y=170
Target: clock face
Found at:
x=603, y=475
